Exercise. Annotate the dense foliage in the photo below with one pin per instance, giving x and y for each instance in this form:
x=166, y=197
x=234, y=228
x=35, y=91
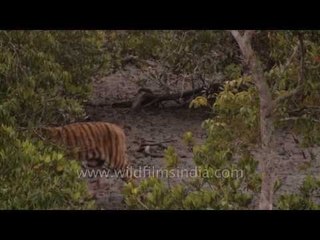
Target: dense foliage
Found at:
x=45, y=77
x=189, y=52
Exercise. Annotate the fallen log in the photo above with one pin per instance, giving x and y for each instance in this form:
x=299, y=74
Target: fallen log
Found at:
x=146, y=98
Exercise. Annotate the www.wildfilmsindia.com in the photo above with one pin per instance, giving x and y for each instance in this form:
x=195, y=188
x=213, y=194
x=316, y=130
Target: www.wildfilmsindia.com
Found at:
x=146, y=171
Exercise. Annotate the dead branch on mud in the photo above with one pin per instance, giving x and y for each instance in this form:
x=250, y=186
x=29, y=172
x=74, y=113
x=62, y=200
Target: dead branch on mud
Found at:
x=146, y=98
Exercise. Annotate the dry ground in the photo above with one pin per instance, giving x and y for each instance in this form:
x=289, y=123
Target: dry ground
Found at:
x=171, y=123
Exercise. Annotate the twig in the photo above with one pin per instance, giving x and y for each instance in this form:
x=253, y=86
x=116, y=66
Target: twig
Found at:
x=38, y=135
x=153, y=155
x=287, y=95
x=289, y=60
x=152, y=102
x=301, y=72
x=302, y=62
x=142, y=204
x=158, y=143
x=299, y=118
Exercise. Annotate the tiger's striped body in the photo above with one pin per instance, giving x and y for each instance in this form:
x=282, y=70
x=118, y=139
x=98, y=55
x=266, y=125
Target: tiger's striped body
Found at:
x=92, y=142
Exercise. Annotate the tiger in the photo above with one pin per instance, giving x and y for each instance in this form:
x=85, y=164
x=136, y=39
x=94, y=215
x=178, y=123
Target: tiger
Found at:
x=91, y=143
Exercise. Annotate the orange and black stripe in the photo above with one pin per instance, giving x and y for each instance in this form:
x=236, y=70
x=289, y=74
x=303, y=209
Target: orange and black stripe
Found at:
x=88, y=141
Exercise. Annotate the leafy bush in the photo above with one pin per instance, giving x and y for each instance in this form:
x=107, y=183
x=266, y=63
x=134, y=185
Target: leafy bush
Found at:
x=34, y=176
x=45, y=77
x=305, y=199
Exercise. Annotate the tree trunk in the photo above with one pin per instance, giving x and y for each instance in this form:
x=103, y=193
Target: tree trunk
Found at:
x=266, y=121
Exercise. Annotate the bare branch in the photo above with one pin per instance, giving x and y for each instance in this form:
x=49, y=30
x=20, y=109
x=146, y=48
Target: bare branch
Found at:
x=266, y=120
x=158, y=143
x=142, y=204
x=299, y=118
x=153, y=155
x=236, y=34
x=301, y=72
x=287, y=95
x=244, y=42
x=302, y=62
x=246, y=37
x=289, y=60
